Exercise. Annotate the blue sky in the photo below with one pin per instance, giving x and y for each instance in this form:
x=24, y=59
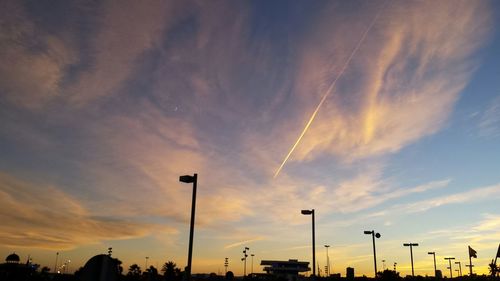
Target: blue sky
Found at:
x=104, y=105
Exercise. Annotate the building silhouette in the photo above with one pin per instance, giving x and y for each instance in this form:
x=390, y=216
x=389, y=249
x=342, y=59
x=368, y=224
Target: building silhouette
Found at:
x=285, y=269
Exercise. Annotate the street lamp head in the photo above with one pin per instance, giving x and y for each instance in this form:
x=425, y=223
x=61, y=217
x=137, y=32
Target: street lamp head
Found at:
x=187, y=178
x=306, y=212
x=327, y=246
x=431, y=253
x=377, y=235
x=406, y=244
x=368, y=231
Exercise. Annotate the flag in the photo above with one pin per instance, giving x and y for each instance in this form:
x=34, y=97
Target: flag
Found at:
x=498, y=252
x=472, y=253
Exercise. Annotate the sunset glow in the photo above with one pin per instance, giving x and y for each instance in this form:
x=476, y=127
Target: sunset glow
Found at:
x=380, y=115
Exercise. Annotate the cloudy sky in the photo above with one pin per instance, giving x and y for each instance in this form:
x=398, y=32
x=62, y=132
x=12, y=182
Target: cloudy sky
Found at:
x=379, y=115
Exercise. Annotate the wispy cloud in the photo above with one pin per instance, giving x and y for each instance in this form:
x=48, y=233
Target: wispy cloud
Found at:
x=473, y=195
x=409, y=75
x=45, y=217
x=246, y=242
x=33, y=63
x=489, y=124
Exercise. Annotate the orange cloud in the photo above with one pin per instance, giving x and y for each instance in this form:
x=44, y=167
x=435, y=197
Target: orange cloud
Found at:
x=401, y=86
x=45, y=217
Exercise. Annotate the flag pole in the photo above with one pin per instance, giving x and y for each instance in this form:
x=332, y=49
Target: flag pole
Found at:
x=470, y=265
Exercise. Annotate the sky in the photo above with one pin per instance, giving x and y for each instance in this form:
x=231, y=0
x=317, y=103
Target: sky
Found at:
x=389, y=113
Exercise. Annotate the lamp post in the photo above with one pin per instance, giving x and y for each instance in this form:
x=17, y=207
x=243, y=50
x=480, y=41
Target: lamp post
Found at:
x=459, y=267
x=226, y=264
x=252, y=255
x=451, y=270
x=55, y=266
x=146, y=267
x=327, y=261
x=411, y=245
x=434, y=255
x=395, y=266
x=311, y=212
x=244, y=259
x=194, y=180
x=372, y=232
x=383, y=265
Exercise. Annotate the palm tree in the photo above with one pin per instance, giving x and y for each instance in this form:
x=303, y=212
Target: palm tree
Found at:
x=170, y=271
x=493, y=268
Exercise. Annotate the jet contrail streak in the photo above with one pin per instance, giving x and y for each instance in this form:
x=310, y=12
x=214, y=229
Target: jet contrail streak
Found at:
x=328, y=91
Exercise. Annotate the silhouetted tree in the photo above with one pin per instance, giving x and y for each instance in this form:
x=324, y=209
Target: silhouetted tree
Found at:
x=388, y=275
x=134, y=270
x=493, y=268
x=229, y=276
x=119, y=265
x=170, y=271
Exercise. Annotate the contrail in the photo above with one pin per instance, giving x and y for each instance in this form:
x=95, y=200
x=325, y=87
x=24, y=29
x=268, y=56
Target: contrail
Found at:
x=328, y=91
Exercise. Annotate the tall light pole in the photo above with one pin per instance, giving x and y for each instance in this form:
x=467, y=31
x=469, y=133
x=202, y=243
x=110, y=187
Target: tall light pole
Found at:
x=252, y=255
x=451, y=270
x=383, y=265
x=434, y=255
x=194, y=180
x=372, y=232
x=146, y=267
x=411, y=245
x=244, y=259
x=327, y=261
x=55, y=266
x=459, y=267
x=226, y=264
x=311, y=212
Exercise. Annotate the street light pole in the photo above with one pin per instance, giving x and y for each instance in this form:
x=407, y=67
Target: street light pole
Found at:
x=190, y=179
x=311, y=212
x=372, y=232
x=226, y=264
x=244, y=259
x=459, y=267
x=55, y=266
x=252, y=255
x=434, y=255
x=411, y=255
x=451, y=270
x=327, y=261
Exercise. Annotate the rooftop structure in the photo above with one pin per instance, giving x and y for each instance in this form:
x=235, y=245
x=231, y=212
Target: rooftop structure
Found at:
x=289, y=269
